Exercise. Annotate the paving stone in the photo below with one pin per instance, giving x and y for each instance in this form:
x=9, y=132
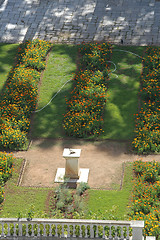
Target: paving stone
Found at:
x=138, y=21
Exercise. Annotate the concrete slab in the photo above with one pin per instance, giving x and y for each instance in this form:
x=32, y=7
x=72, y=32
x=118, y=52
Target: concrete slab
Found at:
x=83, y=176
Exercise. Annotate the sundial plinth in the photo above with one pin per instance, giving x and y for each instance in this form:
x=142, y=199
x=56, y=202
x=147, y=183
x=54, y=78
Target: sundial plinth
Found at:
x=72, y=163
x=72, y=173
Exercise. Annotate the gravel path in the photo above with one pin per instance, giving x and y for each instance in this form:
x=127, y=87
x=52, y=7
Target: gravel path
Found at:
x=104, y=159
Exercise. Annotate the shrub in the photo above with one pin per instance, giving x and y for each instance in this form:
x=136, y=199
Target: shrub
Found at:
x=95, y=56
x=149, y=170
x=85, y=107
x=147, y=129
x=82, y=188
x=145, y=196
x=19, y=96
x=68, y=203
x=6, y=170
x=32, y=54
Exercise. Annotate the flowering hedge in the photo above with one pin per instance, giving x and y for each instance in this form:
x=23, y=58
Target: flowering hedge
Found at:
x=19, y=96
x=6, y=170
x=148, y=119
x=146, y=196
x=85, y=107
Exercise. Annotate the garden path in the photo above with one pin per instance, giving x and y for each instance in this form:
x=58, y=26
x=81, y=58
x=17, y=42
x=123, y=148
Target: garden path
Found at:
x=132, y=22
x=104, y=159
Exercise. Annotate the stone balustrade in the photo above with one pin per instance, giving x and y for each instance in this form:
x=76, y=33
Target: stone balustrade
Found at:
x=39, y=228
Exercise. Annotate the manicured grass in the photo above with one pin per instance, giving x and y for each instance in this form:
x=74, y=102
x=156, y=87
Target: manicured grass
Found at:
x=22, y=199
x=7, y=54
x=60, y=68
x=123, y=89
x=101, y=203
x=111, y=204
x=121, y=104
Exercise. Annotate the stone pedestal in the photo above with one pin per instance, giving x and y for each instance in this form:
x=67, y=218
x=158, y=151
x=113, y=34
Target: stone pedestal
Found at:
x=72, y=163
x=72, y=172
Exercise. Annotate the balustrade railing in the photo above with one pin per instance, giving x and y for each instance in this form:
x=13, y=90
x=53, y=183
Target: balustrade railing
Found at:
x=13, y=228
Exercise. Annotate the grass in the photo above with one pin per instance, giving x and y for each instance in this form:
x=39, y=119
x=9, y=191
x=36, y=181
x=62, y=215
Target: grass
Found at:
x=111, y=204
x=121, y=104
x=123, y=89
x=60, y=68
x=108, y=204
x=118, y=123
x=22, y=199
x=7, y=54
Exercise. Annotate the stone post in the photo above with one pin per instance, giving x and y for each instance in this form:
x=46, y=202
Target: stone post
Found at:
x=72, y=163
x=137, y=227
x=150, y=238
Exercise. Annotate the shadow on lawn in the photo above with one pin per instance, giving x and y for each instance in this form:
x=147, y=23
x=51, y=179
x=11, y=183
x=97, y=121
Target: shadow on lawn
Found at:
x=66, y=49
x=55, y=135
x=48, y=122
x=6, y=58
x=116, y=124
x=123, y=90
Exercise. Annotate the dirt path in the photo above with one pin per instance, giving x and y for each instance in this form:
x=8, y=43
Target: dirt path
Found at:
x=104, y=159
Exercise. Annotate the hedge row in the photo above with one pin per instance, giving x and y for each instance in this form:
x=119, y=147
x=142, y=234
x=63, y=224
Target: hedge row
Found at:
x=19, y=95
x=6, y=169
x=146, y=196
x=147, y=128
x=85, y=107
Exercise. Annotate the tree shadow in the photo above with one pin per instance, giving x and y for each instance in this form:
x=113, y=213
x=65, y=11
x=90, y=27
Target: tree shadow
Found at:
x=66, y=49
x=114, y=148
x=97, y=22
x=1, y=2
x=51, y=127
x=122, y=102
x=117, y=127
x=7, y=57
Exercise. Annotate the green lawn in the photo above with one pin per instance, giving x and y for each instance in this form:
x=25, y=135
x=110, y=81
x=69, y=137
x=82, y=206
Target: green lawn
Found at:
x=7, y=54
x=22, y=199
x=123, y=90
x=60, y=68
x=100, y=204
x=122, y=102
x=111, y=204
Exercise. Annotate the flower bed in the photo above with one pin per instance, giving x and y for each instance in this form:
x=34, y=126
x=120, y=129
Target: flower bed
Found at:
x=84, y=115
x=147, y=120
x=19, y=96
x=146, y=196
x=6, y=169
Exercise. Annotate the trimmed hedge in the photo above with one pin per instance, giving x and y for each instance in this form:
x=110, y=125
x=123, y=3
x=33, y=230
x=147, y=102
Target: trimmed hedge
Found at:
x=6, y=170
x=147, y=128
x=146, y=196
x=19, y=96
x=85, y=107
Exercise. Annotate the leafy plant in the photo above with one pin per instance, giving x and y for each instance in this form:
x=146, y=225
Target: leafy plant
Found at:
x=82, y=188
x=147, y=129
x=145, y=196
x=19, y=97
x=68, y=203
x=6, y=170
x=86, y=104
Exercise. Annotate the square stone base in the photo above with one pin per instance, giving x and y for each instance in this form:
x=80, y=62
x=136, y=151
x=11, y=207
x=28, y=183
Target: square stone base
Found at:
x=83, y=176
